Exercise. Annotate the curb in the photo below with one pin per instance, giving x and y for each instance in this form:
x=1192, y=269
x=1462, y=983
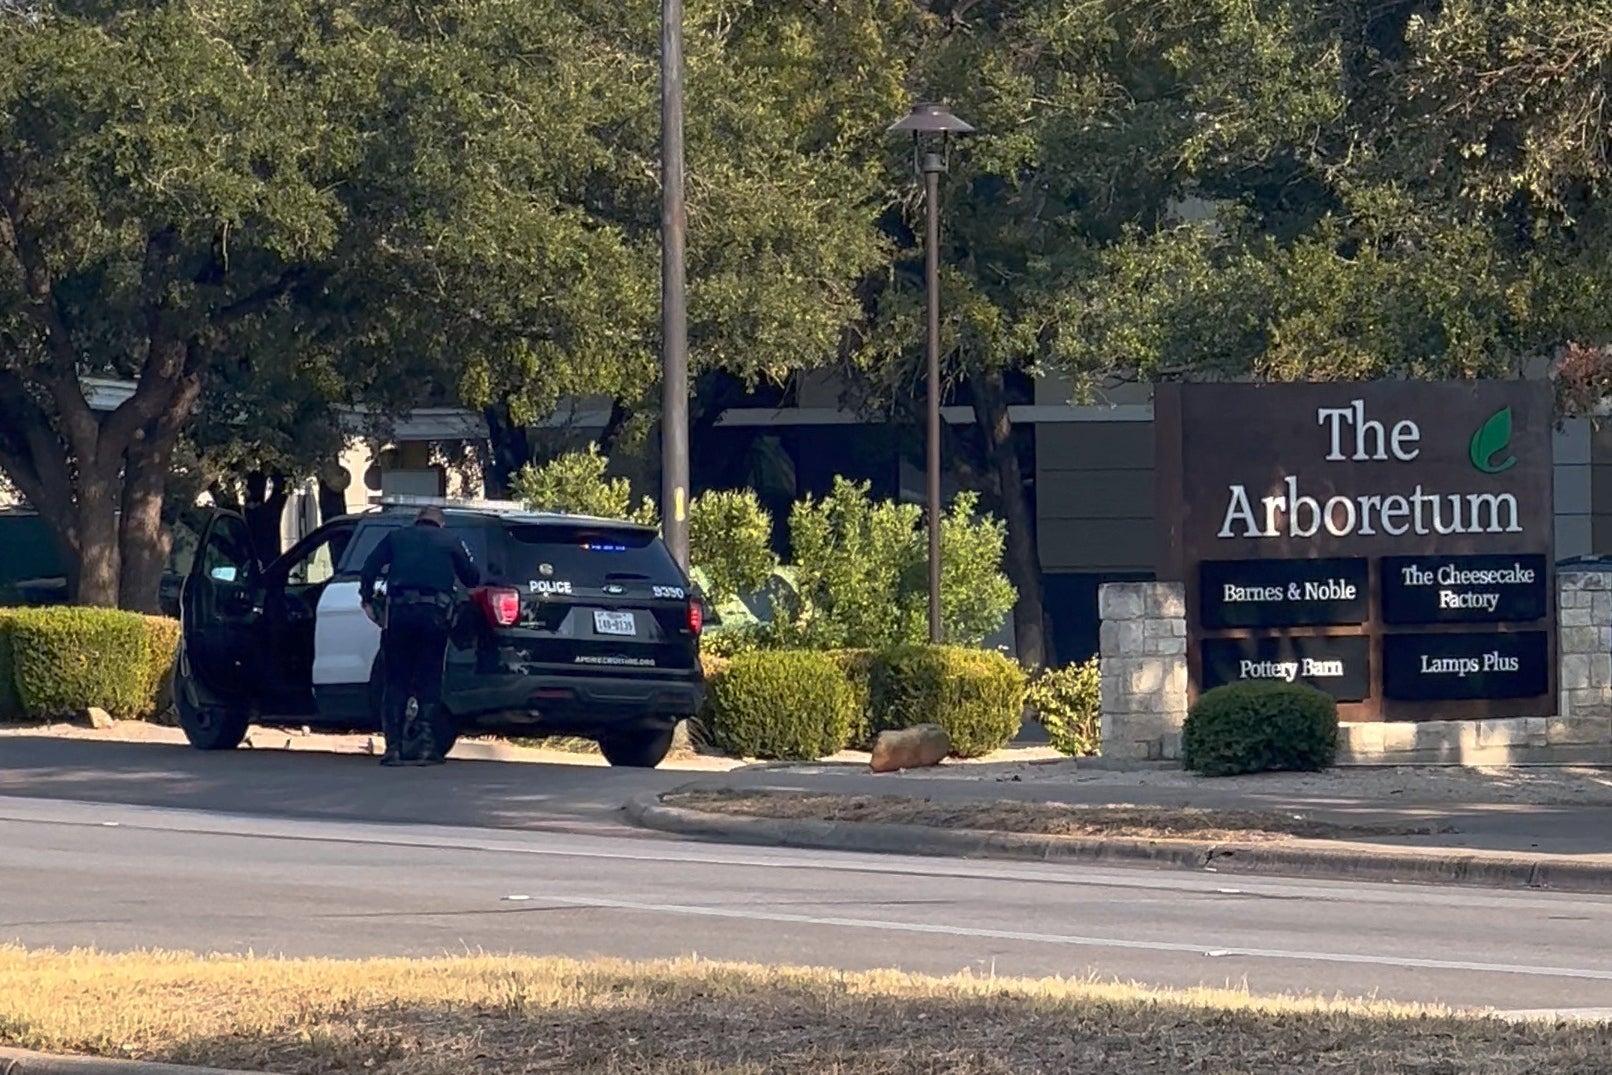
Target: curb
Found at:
x=23, y=1062
x=1354, y=863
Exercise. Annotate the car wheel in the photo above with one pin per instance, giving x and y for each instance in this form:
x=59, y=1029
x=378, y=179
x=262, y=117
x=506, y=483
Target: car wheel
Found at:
x=209, y=727
x=637, y=750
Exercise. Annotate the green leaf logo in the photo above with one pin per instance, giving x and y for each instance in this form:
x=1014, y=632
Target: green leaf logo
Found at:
x=1491, y=440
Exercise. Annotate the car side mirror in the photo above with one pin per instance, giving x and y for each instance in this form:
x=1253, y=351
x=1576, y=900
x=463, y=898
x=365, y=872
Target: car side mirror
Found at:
x=223, y=574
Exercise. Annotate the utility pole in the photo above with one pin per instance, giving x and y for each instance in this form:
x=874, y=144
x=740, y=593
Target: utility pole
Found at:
x=673, y=289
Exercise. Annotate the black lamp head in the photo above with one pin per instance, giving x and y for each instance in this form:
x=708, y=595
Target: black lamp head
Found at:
x=932, y=126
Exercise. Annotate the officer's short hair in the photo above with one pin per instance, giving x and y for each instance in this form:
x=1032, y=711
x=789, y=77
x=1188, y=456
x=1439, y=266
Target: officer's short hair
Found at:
x=430, y=517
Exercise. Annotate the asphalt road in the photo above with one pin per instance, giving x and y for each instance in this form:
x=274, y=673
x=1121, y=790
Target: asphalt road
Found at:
x=283, y=853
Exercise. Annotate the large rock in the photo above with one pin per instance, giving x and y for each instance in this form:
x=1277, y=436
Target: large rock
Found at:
x=917, y=747
x=95, y=717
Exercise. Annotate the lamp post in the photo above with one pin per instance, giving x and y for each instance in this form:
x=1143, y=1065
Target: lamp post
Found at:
x=932, y=126
x=673, y=288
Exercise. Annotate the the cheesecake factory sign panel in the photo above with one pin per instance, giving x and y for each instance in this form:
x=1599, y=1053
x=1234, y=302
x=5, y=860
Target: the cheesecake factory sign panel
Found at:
x=1333, y=511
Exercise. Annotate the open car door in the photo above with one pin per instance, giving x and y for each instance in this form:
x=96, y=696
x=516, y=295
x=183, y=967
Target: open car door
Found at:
x=220, y=613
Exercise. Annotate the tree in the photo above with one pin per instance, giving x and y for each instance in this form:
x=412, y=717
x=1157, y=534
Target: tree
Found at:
x=366, y=203
x=1080, y=118
x=1437, y=214
x=787, y=100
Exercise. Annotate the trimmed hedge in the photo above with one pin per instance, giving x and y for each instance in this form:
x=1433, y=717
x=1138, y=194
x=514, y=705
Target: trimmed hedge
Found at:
x=1068, y=704
x=976, y=695
x=55, y=662
x=857, y=667
x=793, y=705
x=10, y=707
x=162, y=634
x=68, y=659
x=1260, y=727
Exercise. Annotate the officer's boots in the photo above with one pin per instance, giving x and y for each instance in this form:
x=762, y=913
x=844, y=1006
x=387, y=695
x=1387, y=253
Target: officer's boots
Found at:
x=392, y=731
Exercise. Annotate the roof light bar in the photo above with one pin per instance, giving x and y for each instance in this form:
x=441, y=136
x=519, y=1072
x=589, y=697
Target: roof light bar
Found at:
x=401, y=500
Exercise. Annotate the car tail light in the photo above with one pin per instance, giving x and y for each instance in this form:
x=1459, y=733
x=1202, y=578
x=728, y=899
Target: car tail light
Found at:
x=696, y=617
x=502, y=606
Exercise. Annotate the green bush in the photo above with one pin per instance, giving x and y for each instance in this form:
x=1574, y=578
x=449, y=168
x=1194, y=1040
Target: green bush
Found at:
x=162, y=638
x=1068, y=704
x=860, y=571
x=10, y=707
x=57, y=661
x=857, y=667
x=578, y=482
x=788, y=704
x=1260, y=727
x=976, y=695
x=730, y=540
x=68, y=659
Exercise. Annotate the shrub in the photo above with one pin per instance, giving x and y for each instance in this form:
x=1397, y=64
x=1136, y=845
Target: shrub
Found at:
x=788, y=704
x=861, y=569
x=730, y=540
x=576, y=482
x=976, y=695
x=1068, y=704
x=162, y=639
x=857, y=667
x=1260, y=727
x=68, y=659
x=10, y=707
x=712, y=667
x=58, y=661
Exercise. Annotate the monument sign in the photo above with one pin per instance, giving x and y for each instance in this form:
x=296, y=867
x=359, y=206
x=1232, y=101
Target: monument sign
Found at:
x=1387, y=542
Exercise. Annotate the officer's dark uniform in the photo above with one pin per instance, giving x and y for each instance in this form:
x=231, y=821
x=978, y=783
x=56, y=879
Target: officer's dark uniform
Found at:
x=421, y=563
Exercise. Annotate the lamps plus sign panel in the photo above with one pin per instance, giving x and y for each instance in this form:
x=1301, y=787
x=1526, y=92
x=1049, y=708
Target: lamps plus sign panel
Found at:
x=1367, y=511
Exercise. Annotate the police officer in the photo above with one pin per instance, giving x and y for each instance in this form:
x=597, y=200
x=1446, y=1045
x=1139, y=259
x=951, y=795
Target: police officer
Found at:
x=421, y=563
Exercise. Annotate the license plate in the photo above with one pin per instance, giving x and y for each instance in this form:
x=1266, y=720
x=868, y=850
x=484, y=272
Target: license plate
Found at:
x=615, y=623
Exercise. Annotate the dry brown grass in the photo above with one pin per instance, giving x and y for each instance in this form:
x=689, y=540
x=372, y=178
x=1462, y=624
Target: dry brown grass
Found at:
x=1043, y=818
x=497, y=1015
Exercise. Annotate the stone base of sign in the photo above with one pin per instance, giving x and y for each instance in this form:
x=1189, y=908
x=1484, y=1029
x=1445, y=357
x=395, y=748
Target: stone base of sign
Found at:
x=1144, y=690
x=1143, y=651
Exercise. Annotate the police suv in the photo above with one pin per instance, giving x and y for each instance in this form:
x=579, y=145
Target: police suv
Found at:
x=582, y=627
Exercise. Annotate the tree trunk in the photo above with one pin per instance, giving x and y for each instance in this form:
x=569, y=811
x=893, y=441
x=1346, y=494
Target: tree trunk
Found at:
x=144, y=536
x=1022, y=559
x=99, y=562
x=332, y=503
x=144, y=540
x=615, y=426
x=511, y=450
x=266, y=497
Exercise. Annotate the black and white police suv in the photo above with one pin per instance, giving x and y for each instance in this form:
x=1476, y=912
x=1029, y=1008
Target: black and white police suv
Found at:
x=582, y=627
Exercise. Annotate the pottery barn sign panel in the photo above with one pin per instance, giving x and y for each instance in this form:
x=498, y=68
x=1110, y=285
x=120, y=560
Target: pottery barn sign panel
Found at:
x=1387, y=542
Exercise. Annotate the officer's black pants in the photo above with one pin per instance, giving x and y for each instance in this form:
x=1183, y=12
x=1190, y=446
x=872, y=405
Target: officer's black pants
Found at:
x=414, y=645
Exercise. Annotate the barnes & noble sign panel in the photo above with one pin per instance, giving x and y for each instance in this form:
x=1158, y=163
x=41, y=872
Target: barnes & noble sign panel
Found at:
x=1403, y=529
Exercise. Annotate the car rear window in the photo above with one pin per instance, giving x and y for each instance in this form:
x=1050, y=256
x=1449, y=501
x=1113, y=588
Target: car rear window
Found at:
x=471, y=531
x=587, y=555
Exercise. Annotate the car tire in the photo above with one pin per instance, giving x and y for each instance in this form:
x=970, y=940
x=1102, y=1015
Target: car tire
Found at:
x=637, y=750
x=209, y=727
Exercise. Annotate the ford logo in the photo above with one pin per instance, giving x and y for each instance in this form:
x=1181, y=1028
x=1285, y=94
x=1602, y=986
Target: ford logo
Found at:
x=615, y=587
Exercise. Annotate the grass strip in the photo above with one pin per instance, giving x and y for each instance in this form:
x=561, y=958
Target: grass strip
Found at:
x=505, y=1015
x=1041, y=818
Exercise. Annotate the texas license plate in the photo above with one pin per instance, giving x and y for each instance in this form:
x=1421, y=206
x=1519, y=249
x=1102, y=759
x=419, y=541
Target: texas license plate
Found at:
x=615, y=623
